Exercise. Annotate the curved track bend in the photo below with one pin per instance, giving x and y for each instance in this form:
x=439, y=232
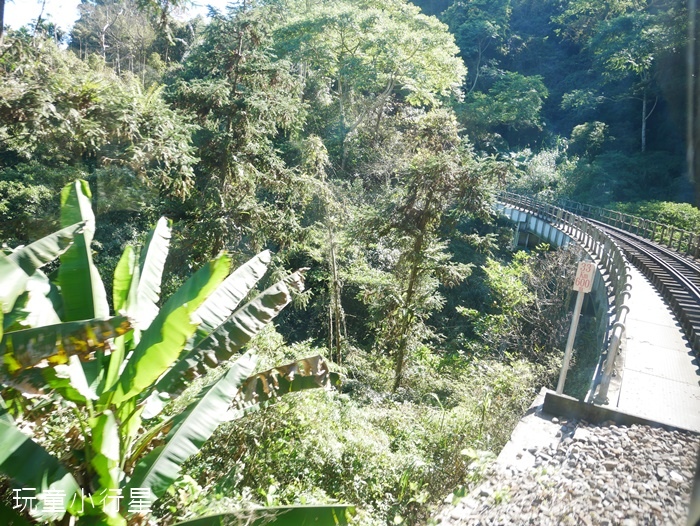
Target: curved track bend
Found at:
x=676, y=276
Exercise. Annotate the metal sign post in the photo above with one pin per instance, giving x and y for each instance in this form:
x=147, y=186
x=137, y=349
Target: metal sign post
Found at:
x=583, y=283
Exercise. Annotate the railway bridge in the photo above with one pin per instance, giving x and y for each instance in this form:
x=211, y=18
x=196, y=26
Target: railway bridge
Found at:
x=626, y=453
x=647, y=297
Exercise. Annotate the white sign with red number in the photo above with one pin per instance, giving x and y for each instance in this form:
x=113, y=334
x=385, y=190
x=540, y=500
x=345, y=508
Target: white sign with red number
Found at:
x=584, y=276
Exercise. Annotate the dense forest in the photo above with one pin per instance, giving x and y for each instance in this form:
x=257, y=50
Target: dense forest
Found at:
x=362, y=141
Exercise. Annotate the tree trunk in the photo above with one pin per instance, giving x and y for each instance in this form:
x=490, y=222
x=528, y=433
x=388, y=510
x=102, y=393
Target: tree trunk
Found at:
x=408, y=300
x=39, y=19
x=343, y=132
x=2, y=20
x=644, y=121
x=336, y=309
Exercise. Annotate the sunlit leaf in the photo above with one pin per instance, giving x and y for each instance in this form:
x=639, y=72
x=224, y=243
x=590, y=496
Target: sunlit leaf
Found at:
x=164, y=340
x=106, y=451
x=82, y=290
x=160, y=468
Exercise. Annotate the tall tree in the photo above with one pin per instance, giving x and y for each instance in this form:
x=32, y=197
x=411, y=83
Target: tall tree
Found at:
x=627, y=40
x=357, y=56
x=242, y=99
x=437, y=181
x=59, y=110
x=481, y=29
x=116, y=30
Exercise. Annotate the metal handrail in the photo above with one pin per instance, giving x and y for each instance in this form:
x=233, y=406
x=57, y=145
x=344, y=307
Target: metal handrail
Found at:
x=610, y=259
x=682, y=241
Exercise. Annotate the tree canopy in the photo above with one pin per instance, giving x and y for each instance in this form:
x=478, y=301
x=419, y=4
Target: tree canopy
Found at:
x=360, y=141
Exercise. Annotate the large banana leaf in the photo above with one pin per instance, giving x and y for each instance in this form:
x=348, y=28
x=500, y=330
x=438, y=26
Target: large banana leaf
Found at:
x=116, y=360
x=129, y=416
x=164, y=340
x=152, y=263
x=34, y=307
x=143, y=306
x=84, y=295
x=234, y=332
x=17, y=267
x=328, y=515
x=267, y=387
x=160, y=468
x=26, y=348
x=246, y=322
x=219, y=306
x=106, y=453
x=125, y=278
x=136, y=290
x=31, y=466
x=37, y=254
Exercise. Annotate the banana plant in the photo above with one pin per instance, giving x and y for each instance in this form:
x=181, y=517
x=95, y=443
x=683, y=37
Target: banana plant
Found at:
x=118, y=370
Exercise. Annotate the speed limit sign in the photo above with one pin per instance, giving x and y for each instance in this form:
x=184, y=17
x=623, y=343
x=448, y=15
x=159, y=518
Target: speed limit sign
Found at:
x=584, y=276
x=583, y=283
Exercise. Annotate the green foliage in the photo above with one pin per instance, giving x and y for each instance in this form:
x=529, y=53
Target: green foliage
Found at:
x=77, y=271
x=439, y=183
x=681, y=215
x=241, y=98
x=539, y=174
x=117, y=31
x=335, y=133
x=133, y=37
x=358, y=58
x=282, y=515
x=391, y=455
x=113, y=385
x=481, y=29
x=30, y=465
x=59, y=110
x=28, y=208
x=512, y=103
x=580, y=18
x=588, y=139
x=636, y=176
x=629, y=43
x=526, y=315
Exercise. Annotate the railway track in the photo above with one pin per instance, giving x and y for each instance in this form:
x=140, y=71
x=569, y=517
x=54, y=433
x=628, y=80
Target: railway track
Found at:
x=676, y=276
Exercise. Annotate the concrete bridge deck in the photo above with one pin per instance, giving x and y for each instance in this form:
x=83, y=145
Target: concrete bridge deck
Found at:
x=657, y=373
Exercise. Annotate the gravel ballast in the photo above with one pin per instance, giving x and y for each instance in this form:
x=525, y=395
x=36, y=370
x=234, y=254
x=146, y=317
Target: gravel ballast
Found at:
x=594, y=475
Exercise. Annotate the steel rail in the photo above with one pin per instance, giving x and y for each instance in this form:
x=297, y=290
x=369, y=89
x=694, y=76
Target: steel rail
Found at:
x=666, y=257
x=673, y=237
x=676, y=277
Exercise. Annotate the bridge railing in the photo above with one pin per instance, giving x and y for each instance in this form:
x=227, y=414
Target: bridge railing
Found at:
x=683, y=241
x=609, y=257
